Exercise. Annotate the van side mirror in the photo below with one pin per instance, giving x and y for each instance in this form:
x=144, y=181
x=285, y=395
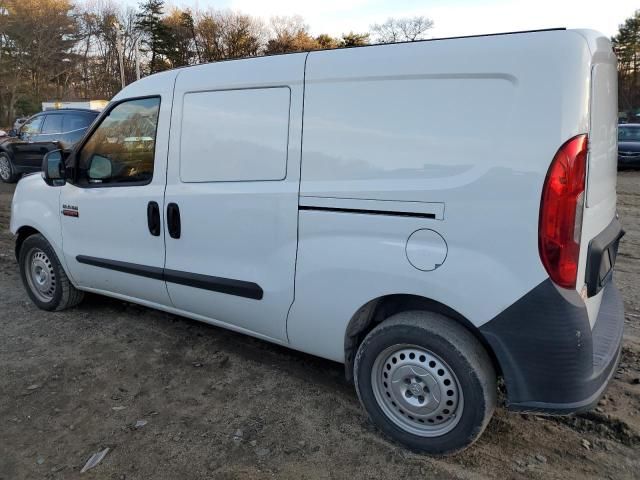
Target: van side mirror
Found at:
x=53, y=168
x=12, y=133
x=100, y=169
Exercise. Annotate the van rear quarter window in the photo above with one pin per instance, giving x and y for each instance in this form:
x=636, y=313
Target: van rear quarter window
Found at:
x=235, y=135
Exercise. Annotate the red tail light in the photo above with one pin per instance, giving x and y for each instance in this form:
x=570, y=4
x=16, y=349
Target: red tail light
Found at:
x=561, y=212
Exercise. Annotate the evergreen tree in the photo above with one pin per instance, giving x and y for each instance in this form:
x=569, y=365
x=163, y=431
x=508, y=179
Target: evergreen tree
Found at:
x=627, y=47
x=156, y=37
x=352, y=39
x=327, y=41
x=181, y=46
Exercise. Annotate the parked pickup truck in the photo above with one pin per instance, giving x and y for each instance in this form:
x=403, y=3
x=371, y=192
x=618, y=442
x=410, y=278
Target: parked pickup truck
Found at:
x=434, y=215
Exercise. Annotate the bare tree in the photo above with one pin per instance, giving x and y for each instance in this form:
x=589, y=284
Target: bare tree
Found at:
x=244, y=36
x=290, y=34
x=225, y=34
x=37, y=41
x=68, y=49
x=100, y=24
x=407, y=29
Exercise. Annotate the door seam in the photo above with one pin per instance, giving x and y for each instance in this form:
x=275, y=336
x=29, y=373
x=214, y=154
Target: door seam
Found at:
x=295, y=264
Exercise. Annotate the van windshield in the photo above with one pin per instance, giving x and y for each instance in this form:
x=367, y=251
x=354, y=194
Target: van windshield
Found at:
x=628, y=134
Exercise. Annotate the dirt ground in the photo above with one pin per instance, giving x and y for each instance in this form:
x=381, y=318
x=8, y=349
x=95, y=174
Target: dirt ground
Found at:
x=220, y=405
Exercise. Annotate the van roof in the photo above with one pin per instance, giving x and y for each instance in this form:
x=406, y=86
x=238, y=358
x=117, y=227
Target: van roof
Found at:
x=138, y=88
x=518, y=32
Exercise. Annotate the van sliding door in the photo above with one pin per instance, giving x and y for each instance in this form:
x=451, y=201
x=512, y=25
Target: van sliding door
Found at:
x=232, y=192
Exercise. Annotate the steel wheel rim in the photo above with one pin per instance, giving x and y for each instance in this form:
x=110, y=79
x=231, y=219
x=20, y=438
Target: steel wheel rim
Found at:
x=40, y=274
x=417, y=390
x=5, y=168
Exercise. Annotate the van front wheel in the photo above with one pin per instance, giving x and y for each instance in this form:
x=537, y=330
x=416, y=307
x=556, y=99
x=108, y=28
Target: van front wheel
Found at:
x=43, y=276
x=426, y=382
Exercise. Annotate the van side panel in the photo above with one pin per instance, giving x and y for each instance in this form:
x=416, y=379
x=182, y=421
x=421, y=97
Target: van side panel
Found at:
x=470, y=124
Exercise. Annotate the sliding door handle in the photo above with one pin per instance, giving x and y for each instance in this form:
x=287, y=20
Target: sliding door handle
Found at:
x=173, y=220
x=153, y=218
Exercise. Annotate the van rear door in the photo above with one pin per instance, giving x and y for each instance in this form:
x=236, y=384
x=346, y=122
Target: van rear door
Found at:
x=600, y=229
x=603, y=145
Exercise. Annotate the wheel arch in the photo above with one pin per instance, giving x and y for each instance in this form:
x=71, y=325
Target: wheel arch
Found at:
x=377, y=310
x=22, y=234
x=4, y=149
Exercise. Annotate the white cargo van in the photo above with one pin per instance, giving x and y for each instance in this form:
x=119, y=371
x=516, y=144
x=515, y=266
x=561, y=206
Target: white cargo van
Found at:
x=434, y=215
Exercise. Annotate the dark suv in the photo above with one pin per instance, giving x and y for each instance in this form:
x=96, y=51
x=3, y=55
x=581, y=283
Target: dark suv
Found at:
x=22, y=151
x=629, y=145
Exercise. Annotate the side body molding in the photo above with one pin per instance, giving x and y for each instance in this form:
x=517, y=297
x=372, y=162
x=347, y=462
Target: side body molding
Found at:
x=229, y=286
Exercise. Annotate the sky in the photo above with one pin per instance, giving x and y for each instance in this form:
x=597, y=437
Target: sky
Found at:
x=451, y=17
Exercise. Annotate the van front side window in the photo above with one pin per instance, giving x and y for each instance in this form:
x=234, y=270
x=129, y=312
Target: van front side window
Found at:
x=121, y=150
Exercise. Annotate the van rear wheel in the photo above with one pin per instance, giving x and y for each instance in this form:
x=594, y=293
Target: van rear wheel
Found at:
x=43, y=276
x=426, y=382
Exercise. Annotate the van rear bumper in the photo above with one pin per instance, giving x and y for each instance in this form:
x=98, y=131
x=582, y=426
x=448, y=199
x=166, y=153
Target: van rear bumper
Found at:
x=551, y=360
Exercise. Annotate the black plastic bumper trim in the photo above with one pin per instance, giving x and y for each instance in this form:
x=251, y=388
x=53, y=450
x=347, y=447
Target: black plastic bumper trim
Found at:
x=574, y=407
x=551, y=359
x=229, y=286
x=601, y=257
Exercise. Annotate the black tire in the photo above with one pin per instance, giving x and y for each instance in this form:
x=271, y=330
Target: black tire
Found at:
x=7, y=171
x=60, y=293
x=459, y=350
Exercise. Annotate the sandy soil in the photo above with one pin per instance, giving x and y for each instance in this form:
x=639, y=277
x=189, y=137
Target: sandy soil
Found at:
x=221, y=405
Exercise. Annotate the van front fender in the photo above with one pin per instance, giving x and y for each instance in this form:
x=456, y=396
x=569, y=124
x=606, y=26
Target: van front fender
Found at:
x=35, y=208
